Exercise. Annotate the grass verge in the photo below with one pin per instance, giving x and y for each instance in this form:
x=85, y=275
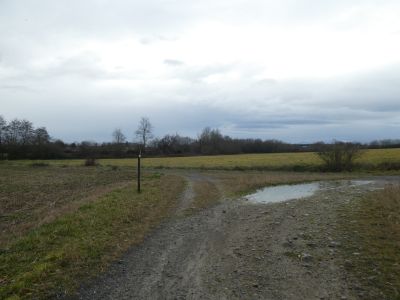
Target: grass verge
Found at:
x=51, y=259
x=372, y=247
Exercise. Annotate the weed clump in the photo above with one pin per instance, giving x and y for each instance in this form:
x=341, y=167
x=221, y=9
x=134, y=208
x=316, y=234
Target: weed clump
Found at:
x=90, y=162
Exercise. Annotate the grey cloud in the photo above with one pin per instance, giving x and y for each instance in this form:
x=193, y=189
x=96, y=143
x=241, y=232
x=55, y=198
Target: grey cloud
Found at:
x=278, y=123
x=371, y=98
x=156, y=18
x=94, y=18
x=355, y=106
x=173, y=62
x=195, y=74
x=84, y=65
x=150, y=39
x=17, y=88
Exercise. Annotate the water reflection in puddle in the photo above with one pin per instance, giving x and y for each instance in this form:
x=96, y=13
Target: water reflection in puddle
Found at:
x=296, y=191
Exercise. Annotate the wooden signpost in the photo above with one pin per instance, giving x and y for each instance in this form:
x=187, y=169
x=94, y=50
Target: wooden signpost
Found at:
x=138, y=171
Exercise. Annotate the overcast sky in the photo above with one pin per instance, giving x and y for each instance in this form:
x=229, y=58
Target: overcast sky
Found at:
x=294, y=70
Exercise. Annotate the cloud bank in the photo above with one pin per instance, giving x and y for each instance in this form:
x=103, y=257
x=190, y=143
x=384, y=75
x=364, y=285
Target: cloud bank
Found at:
x=299, y=71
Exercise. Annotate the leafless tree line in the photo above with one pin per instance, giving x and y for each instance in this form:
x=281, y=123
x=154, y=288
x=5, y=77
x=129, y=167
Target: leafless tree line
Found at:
x=21, y=132
x=18, y=136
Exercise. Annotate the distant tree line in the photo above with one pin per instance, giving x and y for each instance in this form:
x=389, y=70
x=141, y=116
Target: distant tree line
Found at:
x=212, y=142
x=388, y=143
x=19, y=139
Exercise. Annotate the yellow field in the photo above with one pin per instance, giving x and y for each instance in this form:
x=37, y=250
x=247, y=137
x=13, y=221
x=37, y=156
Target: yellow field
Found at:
x=278, y=161
x=250, y=161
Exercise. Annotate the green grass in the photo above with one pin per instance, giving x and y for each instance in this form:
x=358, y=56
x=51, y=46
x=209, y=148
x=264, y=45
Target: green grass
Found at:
x=371, y=159
x=53, y=258
x=31, y=196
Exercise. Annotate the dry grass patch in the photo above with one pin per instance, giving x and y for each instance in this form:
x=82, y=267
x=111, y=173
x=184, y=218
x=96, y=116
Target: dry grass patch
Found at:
x=206, y=194
x=372, y=228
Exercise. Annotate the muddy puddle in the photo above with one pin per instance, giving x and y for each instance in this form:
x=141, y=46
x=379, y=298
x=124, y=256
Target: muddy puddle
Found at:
x=297, y=191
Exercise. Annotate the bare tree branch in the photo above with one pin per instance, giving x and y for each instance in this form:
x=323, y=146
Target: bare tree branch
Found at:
x=144, y=132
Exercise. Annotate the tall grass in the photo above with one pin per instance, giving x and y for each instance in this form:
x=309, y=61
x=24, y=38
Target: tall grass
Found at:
x=372, y=226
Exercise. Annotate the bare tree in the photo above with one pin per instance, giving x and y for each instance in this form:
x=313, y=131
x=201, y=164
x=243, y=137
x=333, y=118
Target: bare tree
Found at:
x=26, y=132
x=3, y=125
x=41, y=136
x=144, y=132
x=12, y=133
x=3, y=131
x=118, y=136
x=210, y=141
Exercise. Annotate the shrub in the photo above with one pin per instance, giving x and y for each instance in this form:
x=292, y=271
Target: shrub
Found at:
x=340, y=156
x=90, y=162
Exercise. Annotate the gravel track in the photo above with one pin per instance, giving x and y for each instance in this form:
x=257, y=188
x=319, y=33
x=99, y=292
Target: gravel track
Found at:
x=239, y=250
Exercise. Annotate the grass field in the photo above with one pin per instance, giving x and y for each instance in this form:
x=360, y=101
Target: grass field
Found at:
x=383, y=159
x=29, y=193
x=61, y=225
x=61, y=222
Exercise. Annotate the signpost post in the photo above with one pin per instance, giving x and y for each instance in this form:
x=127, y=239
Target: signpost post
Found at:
x=138, y=171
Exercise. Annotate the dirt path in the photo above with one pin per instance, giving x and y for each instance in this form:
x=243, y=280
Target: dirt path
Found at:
x=239, y=250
